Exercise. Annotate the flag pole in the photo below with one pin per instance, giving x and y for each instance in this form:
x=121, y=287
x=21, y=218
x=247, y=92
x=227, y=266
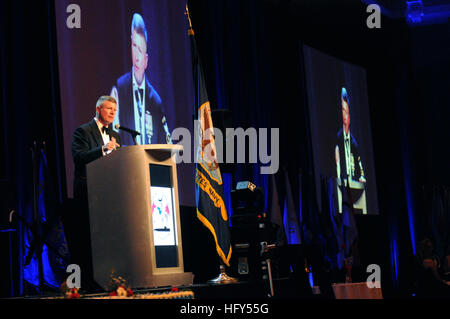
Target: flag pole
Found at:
x=222, y=278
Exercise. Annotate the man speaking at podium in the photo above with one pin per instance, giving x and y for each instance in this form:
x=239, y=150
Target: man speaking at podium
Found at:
x=349, y=169
x=90, y=141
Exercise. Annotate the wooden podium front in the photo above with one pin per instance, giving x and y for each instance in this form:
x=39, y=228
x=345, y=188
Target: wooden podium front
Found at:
x=135, y=217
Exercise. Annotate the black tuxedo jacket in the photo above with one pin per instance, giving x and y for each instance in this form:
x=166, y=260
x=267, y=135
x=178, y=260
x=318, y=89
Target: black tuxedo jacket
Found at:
x=153, y=106
x=87, y=145
x=354, y=154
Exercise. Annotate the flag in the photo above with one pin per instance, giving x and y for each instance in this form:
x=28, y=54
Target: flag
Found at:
x=209, y=188
x=290, y=215
x=276, y=217
x=54, y=253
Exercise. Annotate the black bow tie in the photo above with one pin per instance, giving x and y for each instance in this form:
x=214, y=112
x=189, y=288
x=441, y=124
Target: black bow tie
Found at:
x=105, y=130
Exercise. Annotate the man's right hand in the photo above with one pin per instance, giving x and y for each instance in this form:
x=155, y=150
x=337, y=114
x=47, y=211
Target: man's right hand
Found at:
x=112, y=145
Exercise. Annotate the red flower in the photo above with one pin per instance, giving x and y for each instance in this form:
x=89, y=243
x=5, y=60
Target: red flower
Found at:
x=174, y=289
x=129, y=292
x=113, y=293
x=74, y=296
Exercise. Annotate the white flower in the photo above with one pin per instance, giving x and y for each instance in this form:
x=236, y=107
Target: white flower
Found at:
x=121, y=292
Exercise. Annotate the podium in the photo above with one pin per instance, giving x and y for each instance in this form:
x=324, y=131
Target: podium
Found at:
x=135, y=217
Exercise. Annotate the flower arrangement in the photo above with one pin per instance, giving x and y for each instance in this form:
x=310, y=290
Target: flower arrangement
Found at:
x=118, y=287
x=69, y=293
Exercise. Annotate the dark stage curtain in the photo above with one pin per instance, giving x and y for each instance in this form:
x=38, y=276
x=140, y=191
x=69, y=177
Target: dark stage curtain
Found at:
x=249, y=68
x=29, y=105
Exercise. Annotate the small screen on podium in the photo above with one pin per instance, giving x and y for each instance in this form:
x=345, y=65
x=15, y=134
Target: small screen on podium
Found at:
x=163, y=216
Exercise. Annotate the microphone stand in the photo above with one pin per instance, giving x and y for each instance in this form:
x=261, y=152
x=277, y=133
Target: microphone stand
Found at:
x=265, y=248
x=134, y=138
x=36, y=219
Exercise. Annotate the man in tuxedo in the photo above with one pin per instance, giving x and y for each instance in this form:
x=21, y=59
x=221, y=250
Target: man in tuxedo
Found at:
x=139, y=105
x=348, y=161
x=90, y=141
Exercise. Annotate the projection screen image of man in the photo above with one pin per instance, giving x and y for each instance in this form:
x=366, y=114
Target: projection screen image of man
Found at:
x=139, y=105
x=349, y=168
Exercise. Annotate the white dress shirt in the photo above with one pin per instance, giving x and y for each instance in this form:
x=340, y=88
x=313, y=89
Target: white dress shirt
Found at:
x=347, y=152
x=105, y=136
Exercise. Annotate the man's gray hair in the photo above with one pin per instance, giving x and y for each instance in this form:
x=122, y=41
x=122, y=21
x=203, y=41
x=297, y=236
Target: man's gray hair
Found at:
x=104, y=98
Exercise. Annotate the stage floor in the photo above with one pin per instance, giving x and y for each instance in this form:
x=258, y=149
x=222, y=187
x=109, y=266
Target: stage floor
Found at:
x=285, y=288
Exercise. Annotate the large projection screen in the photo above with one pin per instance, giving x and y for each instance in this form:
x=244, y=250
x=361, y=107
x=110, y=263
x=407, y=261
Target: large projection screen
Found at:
x=95, y=54
x=340, y=128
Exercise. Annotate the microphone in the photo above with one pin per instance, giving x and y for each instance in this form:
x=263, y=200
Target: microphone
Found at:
x=126, y=129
